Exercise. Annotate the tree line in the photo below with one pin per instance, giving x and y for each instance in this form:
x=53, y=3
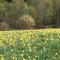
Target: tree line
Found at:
x=29, y=14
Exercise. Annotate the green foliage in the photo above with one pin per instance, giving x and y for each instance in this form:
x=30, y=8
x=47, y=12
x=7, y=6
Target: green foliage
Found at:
x=2, y=10
x=30, y=45
x=56, y=12
x=25, y=22
x=4, y=26
x=44, y=12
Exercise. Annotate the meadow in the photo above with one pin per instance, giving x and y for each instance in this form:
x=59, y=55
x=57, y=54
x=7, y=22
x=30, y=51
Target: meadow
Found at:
x=39, y=44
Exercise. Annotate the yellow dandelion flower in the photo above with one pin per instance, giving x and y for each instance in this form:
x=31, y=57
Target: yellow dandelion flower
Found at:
x=13, y=58
x=2, y=57
x=56, y=53
x=34, y=59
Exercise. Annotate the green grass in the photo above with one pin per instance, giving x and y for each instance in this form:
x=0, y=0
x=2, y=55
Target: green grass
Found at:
x=30, y=45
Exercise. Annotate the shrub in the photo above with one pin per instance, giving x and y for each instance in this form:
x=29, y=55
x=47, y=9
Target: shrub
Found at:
x=25, y=22
x=4, y=26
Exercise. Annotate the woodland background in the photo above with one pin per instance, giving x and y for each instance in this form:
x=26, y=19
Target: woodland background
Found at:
x=29, y=14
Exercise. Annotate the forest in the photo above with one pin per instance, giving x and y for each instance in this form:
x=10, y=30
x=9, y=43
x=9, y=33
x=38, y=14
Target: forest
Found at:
x=29, y=14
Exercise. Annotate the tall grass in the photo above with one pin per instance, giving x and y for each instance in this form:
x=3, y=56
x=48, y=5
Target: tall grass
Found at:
x=30, y=45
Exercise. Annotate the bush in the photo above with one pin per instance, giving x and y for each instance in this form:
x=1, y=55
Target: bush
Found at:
x=4, y=26
x=25, y=22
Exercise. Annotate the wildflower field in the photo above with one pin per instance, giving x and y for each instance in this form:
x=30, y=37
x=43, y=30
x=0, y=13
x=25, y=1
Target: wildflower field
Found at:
x=30, y=45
